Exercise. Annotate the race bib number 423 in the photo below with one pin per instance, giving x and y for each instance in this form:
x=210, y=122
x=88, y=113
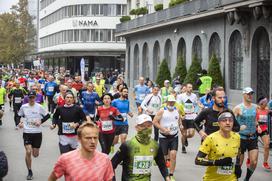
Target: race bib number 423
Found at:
x=142, y=164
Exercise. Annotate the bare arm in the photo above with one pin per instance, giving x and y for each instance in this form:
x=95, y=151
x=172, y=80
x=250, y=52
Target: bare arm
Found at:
x=52, y=177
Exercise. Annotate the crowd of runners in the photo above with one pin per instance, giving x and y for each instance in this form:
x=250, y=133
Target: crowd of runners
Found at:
x=99, y=110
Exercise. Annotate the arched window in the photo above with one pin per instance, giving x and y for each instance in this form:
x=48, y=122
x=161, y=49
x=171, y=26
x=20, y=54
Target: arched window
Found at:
x=168, y=52
x=236, y=60
x=128, y=61
x=156, y=58
x=136, y=62
x=214, y=46
x=197, y=48
x=145, y=64
x=182, y=49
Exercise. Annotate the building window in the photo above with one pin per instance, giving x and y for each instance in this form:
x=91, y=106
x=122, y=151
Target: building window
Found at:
x=214, y=47
x=197, y=48
x=95, y=9
x=119, y=10
x=236, y=61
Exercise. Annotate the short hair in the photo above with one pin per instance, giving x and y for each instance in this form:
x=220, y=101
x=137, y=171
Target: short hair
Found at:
x=213, y=92
x=124, y=88
x=107, y=94
x=86, y=124
x=69, y=92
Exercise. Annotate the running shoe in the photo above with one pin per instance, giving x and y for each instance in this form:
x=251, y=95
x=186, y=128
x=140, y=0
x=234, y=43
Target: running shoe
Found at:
x=266, y=166
x=172, y=178
x=248, y=163
x=184, y=149
x=29, y=176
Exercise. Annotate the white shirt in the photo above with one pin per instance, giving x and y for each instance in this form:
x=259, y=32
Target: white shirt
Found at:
x=189, y=102
x=32, y=114
x=170, y=120
x=152, y=103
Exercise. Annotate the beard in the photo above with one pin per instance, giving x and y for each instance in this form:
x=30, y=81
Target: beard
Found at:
x=219, y=104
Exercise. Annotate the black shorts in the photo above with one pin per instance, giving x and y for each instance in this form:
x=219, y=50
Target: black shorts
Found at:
x=33, y=139
x=121, y=129
x=263, y=133
x=249, y=144
x=168, y=144
x=187, y=124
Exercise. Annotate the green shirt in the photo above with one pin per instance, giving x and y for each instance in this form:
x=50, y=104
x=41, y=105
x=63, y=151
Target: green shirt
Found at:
x=2, y=95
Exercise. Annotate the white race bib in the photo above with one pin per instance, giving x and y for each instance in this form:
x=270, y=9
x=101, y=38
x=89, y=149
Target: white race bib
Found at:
x=173, y=130
x=17, y=100
x=142, y=164
x=188, y=108
x=124, y=115
x=66, y=128
x=42, y=86
x=30, y=123
x=50, y=89
x=107, y=125
x=141, y=97
x=225, y=170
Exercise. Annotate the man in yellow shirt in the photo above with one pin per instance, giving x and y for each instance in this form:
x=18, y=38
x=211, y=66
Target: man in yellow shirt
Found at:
x=99, y=88
x=2, y=99
x=219, y=151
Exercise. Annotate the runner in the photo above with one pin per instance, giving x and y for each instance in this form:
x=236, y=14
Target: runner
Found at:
x=99, y=87
x=39, y=96
x=190, y=103
x=218, y=151
x=106, y=115
x=2, y=100
x=90, y=100
x=151, y=105
x=262, y=128
x=168, y=121
x=140, y=92
x=166, y=90
x=209, y=116
x=17, y=95
x=85, y=163
x=68, y=118
x=122, y=104
x=34, y=116
x=50, y=89
x=59, y=98
x=246, y=115
x=139, y=153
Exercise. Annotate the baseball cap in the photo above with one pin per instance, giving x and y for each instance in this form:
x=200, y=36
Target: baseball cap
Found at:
x=143, y=118
x=166, y=81
x=225, y=115
x=32, y=93
x=171, y=98
x=247, y=90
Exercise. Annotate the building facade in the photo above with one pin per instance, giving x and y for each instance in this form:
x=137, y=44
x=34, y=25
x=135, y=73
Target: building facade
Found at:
x=238, y=32
x=76, y=29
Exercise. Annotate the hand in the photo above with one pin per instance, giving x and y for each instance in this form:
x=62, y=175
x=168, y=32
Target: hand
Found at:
x=21, y=125
x=243, y=127
x=238, y=171
x=203, y=135
x=111, y=117
x=96, y=102
x=148, y=111
x=259, y=130
x=165, y=131
x=52, y=126
x=38, y=123
x=167, y=178
x=223, y=162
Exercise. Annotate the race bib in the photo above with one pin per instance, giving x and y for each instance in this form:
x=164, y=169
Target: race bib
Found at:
x=142, y=164
x=30, y=123
x=173, y=130
x=42, y=86
x=225, y=170
x=50, y=89
x=66, y=128
x=190, y=116
x=107, y=125
x=124, y=115
x=17, y=100
x=141, y=97
x=188, y=108
x=155, y=105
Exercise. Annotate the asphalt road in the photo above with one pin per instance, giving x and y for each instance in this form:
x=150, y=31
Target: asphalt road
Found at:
x=12, y=143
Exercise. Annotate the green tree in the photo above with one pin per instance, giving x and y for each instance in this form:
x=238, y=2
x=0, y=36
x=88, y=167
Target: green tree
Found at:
x=193, y=72
x=180, y=69
x=215, y=72
x=163, y=74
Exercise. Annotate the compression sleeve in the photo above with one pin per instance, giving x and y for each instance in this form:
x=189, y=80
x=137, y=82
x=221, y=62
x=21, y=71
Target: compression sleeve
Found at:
x=45, y=118
x=119, y=155
x=160, y=161
x=200, y=118
x=202, y=160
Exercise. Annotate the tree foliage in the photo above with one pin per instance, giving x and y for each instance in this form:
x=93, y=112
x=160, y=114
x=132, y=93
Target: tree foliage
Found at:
x=180, y=69
x=163, y=74
x=17, y=34
x=215, y=72
x=193, y=72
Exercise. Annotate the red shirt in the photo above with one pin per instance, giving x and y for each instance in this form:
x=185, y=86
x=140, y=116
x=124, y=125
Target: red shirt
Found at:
x=262, y=118
x=76, y=168
x=22, y=81
x=106, y=124
x=77, y=85
x=60, y=101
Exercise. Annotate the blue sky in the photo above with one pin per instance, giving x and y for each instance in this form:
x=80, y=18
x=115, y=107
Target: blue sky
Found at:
x=5, y=5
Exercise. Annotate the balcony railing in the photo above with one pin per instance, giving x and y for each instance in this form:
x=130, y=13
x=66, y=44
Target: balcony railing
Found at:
x=182, y=10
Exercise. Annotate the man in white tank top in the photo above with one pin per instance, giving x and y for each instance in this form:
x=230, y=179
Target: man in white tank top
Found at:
x=168, y=121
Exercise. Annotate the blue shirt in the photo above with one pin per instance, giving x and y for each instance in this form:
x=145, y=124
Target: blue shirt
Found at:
x=123, y=108
x=88, y=100
x=49, y=88
x=141, y=91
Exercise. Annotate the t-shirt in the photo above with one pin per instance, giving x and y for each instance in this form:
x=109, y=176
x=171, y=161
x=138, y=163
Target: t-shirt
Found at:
x=88, y=100
x=32, y=114
x=123, y=108
x=105, y=123
x=218, y=147
x=262, y=118
x=152, y=103
x=141, y=91
x=2, y=95
x=190, y=105
x=74, y=167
